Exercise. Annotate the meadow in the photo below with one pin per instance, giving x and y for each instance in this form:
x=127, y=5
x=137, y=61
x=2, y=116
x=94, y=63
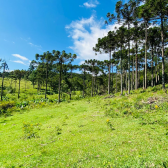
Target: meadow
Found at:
x=101, y=131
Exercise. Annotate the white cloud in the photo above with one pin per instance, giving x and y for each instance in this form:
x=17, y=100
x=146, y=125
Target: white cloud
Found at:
x=85, y=33
x=20, y=62
x=8, y=70
x=82, y=62
x=24, y=60
x=86, y=4
x=90, y=4
x=21, y=57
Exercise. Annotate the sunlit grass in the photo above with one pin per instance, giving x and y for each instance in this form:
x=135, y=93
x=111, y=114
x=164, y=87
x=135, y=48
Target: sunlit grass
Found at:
x=137, y=136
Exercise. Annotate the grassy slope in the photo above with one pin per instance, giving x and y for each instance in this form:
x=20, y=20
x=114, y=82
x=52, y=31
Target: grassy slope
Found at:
x=30, y=93
x=139, y=138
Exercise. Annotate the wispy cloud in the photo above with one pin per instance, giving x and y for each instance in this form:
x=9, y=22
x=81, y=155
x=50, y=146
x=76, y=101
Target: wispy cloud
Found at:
x=8, y=41
x=24, y=60
x=90, y=4
x=85, y=33
x=27, y=40
x=21, y=57
x=20, y=62
x=33, y=45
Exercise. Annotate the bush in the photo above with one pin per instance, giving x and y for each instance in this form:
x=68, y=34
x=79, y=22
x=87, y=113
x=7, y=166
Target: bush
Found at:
x=5, y=98
x=154, y=89
x=10, y=89
x=4, y=106
x=30, y=130
x=22, y=104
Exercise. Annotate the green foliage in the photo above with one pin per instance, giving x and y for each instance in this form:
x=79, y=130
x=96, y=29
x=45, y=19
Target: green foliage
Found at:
x=22, y=104
x=6, y=107
x=10, y=89
x=155, y=89
x=5, y=98
x=110, y=124
x=31, y=130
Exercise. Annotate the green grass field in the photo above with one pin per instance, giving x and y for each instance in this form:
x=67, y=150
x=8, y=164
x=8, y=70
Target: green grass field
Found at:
x=103, y=131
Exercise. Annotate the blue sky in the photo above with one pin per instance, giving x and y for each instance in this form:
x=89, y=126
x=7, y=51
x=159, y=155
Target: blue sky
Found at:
x=28, y=27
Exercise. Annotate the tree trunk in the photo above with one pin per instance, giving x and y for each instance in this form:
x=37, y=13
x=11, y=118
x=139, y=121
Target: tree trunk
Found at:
x=2, y=82
x=156, y=73
x=144, y=78
x=116, y=80
x=109, y=73
x=133, y=75
x=46, y=81
x=129, y=61
x=145, y=56
x=139, y=77
x=112, y=78
x=96, y=90
x=59, y=87
x=84, y=84
x=163, y=66
x=92, y=83
x=121, y=73
x=126, y=81
x=71, y=84
x=19, y=90
x=152, y=84
x=38, y=86
x=136, y=72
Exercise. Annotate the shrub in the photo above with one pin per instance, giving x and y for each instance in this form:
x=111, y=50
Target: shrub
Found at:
x=5, y=98
x=138, y=105
x=4, y=106
x=22, y=104
x=30, y=130
x=10, y=89
x=154, y=89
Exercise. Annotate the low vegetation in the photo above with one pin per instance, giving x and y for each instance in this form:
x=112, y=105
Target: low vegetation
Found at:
x=103, y=131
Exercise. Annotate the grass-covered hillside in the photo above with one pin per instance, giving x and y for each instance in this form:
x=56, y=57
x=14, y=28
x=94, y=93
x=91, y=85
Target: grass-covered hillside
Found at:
x=103, y=131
